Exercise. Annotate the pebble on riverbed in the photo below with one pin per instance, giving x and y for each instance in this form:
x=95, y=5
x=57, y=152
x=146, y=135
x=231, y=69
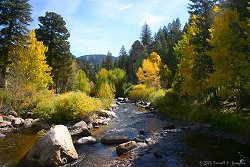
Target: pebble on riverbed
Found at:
x=2, y=135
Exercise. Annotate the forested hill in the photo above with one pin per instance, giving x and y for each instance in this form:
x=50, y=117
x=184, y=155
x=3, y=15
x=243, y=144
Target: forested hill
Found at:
x=95, y=58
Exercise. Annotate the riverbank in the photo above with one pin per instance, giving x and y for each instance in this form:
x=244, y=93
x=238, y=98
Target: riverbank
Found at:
x=161, y=142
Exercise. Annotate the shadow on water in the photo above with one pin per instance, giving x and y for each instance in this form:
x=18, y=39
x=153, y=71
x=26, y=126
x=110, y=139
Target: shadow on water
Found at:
x=15, y=145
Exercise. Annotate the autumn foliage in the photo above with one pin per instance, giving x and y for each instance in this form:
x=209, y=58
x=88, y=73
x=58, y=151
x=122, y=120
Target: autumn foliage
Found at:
x=149, y=73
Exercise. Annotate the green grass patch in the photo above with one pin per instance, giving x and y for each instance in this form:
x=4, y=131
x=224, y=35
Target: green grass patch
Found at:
x=183, y=109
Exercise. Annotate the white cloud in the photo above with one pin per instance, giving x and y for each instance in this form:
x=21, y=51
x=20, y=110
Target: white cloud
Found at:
x=151, y=19
x=125, y=7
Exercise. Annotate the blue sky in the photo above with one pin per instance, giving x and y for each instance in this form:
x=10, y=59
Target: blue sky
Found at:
x=99, y=26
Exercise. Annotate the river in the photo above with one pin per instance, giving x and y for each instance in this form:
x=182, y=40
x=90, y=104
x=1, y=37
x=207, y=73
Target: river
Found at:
x=164, y=148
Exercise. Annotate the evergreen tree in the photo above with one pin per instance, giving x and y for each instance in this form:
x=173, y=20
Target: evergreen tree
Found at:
x=54, y=34
x=123, y=60
x=146, y=35
x=240, y=6
x=174, y=34
x=108, y=61
x=15, y=16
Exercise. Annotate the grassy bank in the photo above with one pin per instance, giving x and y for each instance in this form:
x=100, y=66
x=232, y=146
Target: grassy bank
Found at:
x=184, y=109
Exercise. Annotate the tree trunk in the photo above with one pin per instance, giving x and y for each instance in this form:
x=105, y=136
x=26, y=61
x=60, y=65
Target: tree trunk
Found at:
x=3, y=78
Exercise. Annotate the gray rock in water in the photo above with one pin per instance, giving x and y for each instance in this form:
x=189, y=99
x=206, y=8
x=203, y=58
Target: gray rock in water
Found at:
x=1, y=119
x=196, y=127
x=79, y=129
x=54, y=149
x=150, y=115
x=114, y=139
x=42, y=125
x=158, y=154
x=2, y=135
x=125, y=147
x=140, y=139
x=28, y=123
x=85, y=140
x=169, y=127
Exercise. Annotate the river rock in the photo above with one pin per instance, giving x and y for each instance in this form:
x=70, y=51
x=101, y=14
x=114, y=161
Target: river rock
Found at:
x=114, y=139
x=29, y=115
x=1, y=119
x=106, y=114
x=125, y=147
x=90, y=126
x=86, y=140
x=169, y=127
x=11, y=112
x=18, y=121
x=102, y=113
x=79, y=129
x=196, y=127
x=42, y=124
x=101, y=121
x=143, y=132
x=150, y=115
x=54, y=149
x=158, y=154
x=120, y=99
x=4, y=124
x=140, y=139
x=2, y=135
x=28, y=123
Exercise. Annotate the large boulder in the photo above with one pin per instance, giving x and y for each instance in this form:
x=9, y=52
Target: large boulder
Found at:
x=54, y=149
x=114, y=139
x=125, y=147
x=79, y=129
x=85, y=140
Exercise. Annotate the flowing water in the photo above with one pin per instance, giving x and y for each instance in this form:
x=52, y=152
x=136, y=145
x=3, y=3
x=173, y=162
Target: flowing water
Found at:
x=176, y=148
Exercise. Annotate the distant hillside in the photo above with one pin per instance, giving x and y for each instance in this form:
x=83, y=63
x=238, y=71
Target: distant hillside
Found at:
x=95, y=58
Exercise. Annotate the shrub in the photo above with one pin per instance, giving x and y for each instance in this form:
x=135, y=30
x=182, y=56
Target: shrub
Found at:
x=140, y=92
x=22, y=99
x=106, y=103
x=106, y=91
x=6, y=99
x=67, y=107
x=156, y=97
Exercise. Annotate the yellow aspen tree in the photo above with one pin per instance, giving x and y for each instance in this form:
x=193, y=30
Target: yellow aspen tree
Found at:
x=229, y=59
x=190, y=67
x=30, y=67
x=149, y=73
